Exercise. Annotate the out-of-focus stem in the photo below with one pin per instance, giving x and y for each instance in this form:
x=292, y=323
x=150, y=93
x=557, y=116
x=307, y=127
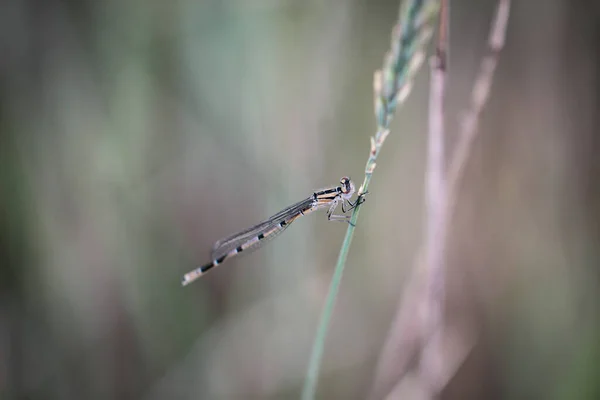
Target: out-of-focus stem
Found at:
x=436, y=226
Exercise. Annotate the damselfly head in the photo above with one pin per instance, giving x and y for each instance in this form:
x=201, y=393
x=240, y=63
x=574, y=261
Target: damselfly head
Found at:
x=347, y=186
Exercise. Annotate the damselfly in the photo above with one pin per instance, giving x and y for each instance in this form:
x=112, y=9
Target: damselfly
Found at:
x=254, y=237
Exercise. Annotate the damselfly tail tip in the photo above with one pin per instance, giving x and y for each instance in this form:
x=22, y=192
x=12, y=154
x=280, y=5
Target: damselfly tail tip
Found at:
x=191, y=277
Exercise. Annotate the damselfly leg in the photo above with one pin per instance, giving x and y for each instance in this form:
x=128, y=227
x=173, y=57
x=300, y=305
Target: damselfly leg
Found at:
x=359, y=200
x=345, y=218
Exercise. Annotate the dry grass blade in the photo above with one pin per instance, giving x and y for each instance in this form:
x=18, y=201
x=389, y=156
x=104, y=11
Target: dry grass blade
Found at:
x=436, y=196
x=479, y=96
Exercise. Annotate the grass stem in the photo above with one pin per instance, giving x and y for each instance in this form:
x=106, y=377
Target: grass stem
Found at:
x=391, y=85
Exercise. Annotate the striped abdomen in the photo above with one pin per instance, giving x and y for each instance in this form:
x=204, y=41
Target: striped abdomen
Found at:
x=250, y=244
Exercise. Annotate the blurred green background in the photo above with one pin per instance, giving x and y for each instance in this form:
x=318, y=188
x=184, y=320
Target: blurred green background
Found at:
x=136, y=133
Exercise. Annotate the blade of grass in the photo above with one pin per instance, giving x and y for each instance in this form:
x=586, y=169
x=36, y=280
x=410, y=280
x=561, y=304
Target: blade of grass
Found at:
x=391, y=85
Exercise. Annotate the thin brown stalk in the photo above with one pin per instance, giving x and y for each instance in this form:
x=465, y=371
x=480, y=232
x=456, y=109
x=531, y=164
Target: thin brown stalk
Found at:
x=479, y=97
x=436, y=196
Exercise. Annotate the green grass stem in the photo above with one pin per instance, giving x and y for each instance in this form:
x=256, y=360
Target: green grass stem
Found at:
x=391, y=87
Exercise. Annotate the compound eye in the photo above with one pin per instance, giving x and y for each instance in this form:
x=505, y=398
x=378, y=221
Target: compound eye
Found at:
x=345, y=184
